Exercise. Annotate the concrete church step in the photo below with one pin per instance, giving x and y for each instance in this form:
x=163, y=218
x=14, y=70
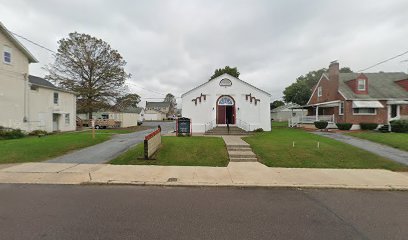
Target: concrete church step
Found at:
x=241, y=154
x=241, y=148
x=243, y=160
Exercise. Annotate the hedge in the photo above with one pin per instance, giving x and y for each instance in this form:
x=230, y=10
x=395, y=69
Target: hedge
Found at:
x=11, y=133
x=38, y=133
x=344, y=126
x=368, y=126
x=399, y=126
x=321, y=124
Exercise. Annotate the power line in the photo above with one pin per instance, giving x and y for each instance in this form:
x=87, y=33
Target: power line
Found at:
x=32, y=42
x=146, y=88
x=45, y=48
x=389, y=59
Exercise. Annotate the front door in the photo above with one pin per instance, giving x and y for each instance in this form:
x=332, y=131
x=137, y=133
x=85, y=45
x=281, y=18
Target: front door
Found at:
x=225, y=110
x=394, y=112
x=55, y=120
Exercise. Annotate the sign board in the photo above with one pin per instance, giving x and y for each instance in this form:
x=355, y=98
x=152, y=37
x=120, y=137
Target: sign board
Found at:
x=183, y=126
x=152, y=143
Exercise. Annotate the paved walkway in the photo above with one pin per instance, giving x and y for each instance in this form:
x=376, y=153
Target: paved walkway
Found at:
x=379, y=149
x=238, y=149
x=240, y=174
x=106, y=151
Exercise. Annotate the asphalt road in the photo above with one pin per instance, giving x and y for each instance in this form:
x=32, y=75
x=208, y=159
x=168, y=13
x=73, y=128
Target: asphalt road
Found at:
x=129, y=212
x=106, y=151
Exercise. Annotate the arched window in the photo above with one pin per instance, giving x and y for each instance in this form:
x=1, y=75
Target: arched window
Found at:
x=225, y=101
x=225, y=82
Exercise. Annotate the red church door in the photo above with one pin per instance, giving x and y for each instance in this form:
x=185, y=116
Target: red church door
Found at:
x=221, y=119
x=226, y=110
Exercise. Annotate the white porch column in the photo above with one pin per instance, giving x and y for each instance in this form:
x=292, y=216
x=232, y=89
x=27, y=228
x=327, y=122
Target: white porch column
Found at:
x=317, y=113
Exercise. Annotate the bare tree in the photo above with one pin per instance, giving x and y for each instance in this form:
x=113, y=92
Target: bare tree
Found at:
x=89, y=67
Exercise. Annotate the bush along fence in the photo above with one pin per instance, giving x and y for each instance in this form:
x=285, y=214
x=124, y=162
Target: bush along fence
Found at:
x=152, y=143
x=344, y=126
x=400, y=126
x=368, y=126
x=321, y=124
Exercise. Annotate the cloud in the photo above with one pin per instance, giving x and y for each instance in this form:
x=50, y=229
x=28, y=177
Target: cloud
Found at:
x=173, y=46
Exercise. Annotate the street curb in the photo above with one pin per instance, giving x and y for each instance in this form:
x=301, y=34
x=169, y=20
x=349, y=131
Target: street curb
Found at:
x=249, y=186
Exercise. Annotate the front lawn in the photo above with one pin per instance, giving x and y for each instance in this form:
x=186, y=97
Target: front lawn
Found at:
x=180, y=151
x=275, y=149
x=34, y=149
x=396, y=140
x=279, y=124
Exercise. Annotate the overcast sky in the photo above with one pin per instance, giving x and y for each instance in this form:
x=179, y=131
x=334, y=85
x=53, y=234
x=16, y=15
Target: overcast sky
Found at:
x=173, y=46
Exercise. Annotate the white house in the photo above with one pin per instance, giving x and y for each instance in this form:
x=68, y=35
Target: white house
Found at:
x=157, y=111
x=29, y=102
x=50, y=108
x=286, y=112
x=128, y=117
x=227, y=99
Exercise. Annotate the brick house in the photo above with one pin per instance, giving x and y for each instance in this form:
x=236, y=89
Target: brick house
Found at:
x=358, y=97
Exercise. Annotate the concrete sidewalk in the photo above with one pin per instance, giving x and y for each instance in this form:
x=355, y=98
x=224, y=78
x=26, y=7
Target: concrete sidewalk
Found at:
x=238, y=174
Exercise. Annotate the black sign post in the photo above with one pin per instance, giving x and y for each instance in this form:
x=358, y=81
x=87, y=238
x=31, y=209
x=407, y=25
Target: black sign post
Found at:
x=183, y=126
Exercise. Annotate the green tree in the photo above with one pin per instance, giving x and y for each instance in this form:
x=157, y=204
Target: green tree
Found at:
x=277, y=103
x=126, y=101
x=91, y=68
x=300, y=91
x=227, y=69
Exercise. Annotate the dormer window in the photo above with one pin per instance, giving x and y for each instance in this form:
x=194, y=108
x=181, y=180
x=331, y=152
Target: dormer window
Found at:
x=319, y=91
x=361, y=85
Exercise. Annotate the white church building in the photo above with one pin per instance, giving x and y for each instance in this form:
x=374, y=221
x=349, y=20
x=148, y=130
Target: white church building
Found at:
x=227, y=99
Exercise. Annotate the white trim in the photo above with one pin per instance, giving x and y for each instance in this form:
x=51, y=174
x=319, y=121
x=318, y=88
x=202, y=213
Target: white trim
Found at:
x=323, y=103
x=342, y=94
x=341, y=113
x=319, y=91
x=314, y=90
x=358, y=84
x=367, y=104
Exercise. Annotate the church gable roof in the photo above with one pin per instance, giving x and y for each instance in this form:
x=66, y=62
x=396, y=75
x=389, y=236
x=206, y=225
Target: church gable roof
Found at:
x=219, y=78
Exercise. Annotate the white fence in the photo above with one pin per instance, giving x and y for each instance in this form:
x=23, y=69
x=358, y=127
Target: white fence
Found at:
x=310, y=119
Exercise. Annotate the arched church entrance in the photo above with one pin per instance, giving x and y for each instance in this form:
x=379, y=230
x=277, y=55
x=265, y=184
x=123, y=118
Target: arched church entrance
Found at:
x=226, y=110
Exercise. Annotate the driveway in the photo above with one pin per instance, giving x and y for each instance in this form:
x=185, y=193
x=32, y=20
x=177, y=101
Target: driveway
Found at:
x=106, y=151
x=379, y=149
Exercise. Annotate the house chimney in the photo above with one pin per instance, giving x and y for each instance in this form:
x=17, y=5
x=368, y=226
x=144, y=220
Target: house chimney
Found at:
x=334, y=76
x=334, y=70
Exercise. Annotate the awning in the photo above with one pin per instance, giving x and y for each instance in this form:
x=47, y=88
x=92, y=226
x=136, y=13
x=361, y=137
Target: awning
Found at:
x=367, y=104
x=397, y=102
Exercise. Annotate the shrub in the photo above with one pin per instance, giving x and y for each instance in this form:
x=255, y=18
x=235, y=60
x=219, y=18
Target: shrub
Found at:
x=399, y=126
x=344, y=126
x=38, y=133
x=368, y=126
x=321, y=124
x=11, y=134
x=259, y=130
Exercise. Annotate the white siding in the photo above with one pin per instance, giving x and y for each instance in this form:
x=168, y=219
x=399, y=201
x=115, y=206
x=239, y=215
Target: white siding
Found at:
x=257, y=116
